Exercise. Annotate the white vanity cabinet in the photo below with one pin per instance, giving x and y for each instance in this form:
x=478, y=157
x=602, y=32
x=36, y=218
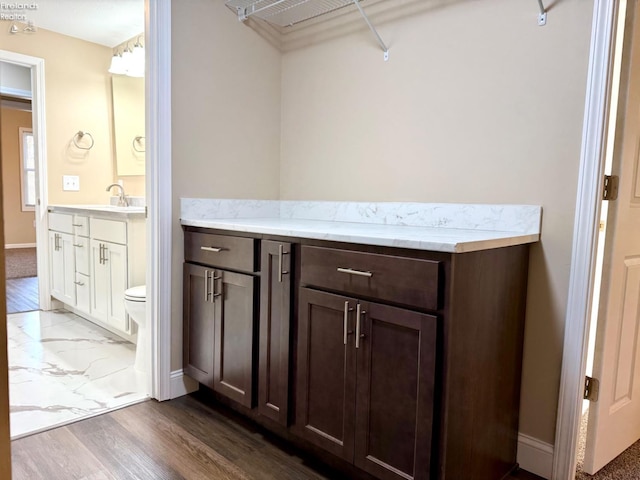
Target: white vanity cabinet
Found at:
x=95, y=257
x=62, y=258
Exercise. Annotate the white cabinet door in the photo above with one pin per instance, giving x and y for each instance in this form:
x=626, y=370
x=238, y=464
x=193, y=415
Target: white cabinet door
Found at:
x=116, y=259
x=108, y=283
x=99, y=281
x=62, y=258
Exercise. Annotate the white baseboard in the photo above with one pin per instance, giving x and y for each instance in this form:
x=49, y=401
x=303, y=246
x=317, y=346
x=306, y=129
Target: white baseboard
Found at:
x=181, y=384
x=535, y=456
x=10, y=246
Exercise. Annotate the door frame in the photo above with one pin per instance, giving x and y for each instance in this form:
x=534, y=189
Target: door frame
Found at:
x=585, y=239
x=159, y=192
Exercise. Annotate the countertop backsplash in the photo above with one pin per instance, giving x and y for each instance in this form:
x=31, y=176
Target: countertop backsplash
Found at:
x=524, y=219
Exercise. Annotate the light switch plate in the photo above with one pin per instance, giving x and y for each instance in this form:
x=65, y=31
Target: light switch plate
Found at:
x=70, y=183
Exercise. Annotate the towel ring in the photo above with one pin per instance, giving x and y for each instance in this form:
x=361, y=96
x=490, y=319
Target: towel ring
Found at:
x=79, y=136
x=139, y=140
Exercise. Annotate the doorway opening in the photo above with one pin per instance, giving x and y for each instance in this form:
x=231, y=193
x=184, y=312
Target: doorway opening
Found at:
x=19, y=188
x=63, y=367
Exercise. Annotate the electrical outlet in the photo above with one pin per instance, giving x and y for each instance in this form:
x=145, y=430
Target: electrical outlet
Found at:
x=70, y=183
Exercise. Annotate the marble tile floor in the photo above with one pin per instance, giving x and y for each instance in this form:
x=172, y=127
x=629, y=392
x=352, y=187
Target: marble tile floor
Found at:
x=63, y=368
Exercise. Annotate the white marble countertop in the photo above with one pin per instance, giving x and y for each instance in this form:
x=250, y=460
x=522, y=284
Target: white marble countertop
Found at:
x=106, y=211
x=453, y=228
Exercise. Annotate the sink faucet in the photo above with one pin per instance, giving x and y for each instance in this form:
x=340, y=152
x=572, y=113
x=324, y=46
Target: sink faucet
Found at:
x=122, y=201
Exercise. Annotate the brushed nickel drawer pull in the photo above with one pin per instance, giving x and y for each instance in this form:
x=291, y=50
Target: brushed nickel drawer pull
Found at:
x=212, y=249
x=206, y=287
x=80, y=284
x=79, y=245
x=281, y=252
x=77, y=224
x=351, y=271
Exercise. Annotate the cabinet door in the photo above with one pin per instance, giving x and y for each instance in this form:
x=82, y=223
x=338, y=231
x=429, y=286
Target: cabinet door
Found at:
x=115, y=259
x=325, y=386
x=99, y=280
x=395, y=381
x=198, y=324
x=62, y=264
x=234, y=335
x=275, y=317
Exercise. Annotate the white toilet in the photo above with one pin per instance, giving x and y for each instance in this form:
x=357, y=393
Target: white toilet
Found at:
x=135, y=303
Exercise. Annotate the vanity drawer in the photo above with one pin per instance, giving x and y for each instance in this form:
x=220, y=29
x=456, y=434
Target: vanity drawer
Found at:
x=401, y=280
x=61, y=222
x=81, y=252
x=82, y=292
x=222, y=251
x=81, y=225
x=108, y=230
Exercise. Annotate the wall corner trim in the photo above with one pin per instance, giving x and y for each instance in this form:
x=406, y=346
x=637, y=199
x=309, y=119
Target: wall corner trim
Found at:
x=535, y=456
x=181, y=384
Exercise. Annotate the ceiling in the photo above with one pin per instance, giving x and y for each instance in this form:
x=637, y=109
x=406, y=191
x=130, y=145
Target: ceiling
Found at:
x=106, y=22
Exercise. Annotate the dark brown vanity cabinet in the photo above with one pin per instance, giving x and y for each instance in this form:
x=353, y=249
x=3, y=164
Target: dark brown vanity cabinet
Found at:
x=386, y=362
x=365, y=371
x=408, y=365
x=274, y=336
x=219, y=314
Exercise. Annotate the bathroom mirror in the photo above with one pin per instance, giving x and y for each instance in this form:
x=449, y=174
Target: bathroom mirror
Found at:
x=128, y=128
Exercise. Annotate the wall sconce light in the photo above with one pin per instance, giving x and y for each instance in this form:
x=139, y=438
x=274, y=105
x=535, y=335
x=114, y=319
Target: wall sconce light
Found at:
x=117, y=65
x=130, y=63
x=13, y=28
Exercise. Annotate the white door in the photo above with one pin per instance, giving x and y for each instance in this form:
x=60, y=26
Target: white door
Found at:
x=614, y=420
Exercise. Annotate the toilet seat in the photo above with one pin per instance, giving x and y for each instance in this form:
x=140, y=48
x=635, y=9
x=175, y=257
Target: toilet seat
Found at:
x=136, y=294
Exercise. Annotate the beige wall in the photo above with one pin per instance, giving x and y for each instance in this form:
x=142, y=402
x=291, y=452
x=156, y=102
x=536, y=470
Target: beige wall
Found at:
x=78, y=97
x=226, y=119
x=19, y=226
x=476, y=104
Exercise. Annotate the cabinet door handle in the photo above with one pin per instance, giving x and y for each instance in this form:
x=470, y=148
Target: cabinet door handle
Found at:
x=281, y=252
x=216, y=277
x=104, y=254
x=346, y=321
x=351, y=271
x=56, y=245
x=77, y=225
x=359, y=314
x=206, y=286
x=212, y=249
x=80, y=284
x=78, y=245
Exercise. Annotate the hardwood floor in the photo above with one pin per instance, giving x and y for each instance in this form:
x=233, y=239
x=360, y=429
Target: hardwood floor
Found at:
x=22, y=294
x=179, y=439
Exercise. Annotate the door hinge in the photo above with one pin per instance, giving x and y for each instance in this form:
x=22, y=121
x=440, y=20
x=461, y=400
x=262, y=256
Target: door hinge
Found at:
x=610, y=191
x=591, y=389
